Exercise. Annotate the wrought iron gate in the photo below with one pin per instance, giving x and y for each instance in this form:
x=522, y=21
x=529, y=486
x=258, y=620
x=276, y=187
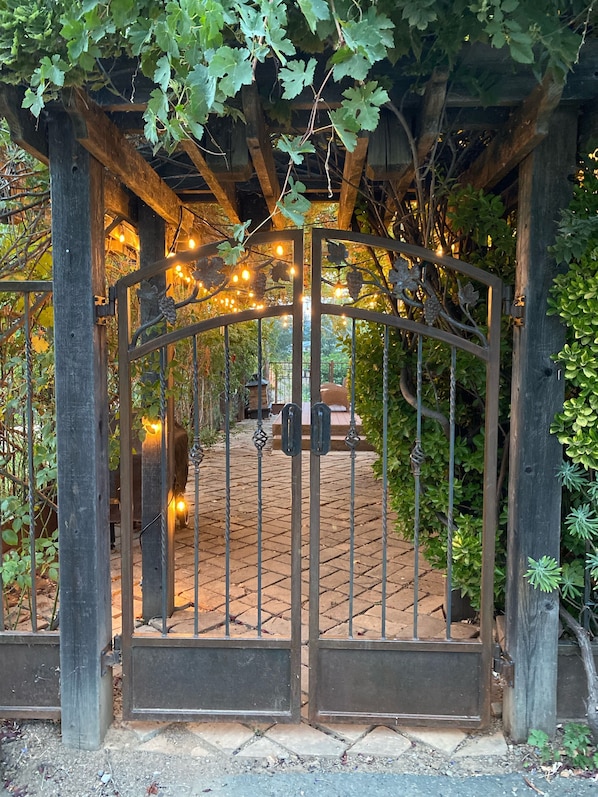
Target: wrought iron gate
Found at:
x=219, y=623
x=29, y=642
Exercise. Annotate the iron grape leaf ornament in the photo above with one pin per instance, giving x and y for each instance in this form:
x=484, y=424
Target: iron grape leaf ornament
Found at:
x=280, y=271
x=208, y=271
x=337, y=253
x=147, y=291
x=468, y=296
x=403, y=277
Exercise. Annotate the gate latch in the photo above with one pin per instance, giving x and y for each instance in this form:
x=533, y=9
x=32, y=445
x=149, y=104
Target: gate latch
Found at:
x=504, y=665
x=111, y=655
x=105, y=306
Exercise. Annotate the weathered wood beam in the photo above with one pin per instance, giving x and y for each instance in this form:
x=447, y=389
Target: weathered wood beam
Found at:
x=29, y=133
x=117, y=199
x=224, y=193
x=82, y=437
x=260, y=149
x=100, y=137
x=428, y=127
x=532, y=616
x=352, y=171
x=524, y=130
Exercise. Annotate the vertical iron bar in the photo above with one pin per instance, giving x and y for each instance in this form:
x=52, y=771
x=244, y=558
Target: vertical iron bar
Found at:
x=384, y=479
x=196, y=456
x=451, y=494
x=30, y=462
x=164, y=491
x=259, y=442
x=352, y=427
x=227, y=479
x=296, y=477
x=417, y=473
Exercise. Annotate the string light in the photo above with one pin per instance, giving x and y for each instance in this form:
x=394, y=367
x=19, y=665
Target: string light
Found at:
x=280, y=250
x=192, y=243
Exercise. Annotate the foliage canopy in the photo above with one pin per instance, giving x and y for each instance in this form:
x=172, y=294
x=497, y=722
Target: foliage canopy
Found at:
x=199, y=54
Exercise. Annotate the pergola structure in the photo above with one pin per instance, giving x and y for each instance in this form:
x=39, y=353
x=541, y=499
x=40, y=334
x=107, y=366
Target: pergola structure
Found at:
x=523, y=144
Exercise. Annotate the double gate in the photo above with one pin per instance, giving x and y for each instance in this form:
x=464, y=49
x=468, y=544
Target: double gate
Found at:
x=288, y=583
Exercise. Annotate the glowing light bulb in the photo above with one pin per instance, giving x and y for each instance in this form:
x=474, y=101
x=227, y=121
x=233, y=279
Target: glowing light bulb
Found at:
x=280, y=250
x=192, y=243
x=235, y=277
x=181, y=505
x=245, y=274
x=121, y=237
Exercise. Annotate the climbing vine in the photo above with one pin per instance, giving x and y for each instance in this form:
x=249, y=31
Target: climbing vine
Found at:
x=199, y=54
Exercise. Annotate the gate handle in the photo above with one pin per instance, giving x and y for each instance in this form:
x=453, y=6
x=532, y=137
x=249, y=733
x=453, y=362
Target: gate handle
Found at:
x=320, y=428
x=291, y=430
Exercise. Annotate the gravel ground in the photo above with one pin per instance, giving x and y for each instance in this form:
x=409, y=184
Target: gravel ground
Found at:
x=34, y=762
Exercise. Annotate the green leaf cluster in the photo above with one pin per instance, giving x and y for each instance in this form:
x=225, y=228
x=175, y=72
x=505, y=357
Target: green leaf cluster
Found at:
x=573, y=747
x=199, y=54
x=574, y=298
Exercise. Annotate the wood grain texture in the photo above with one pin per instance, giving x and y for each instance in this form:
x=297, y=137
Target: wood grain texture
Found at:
x=82, y=437
x=535, y=454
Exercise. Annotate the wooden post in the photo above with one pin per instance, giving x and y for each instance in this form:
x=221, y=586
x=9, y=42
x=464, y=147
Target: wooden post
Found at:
x=535, y=454
x=82, y=437
x=152, y=245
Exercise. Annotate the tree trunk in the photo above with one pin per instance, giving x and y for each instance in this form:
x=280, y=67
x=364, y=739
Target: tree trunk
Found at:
x=589, y=666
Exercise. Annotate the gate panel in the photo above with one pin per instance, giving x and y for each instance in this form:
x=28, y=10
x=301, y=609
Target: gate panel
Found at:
x=379, y=618
x=226, y=638
x=29, y=647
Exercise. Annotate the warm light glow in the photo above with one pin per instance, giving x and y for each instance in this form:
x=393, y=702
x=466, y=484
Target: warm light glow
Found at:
x=235, y=277
x=178, y=268
x=440, y=251
x=292, y=271
x=280, y=250
x=170, y=254
x=245, y=274
x=181, y=505
x=121, y=237
x=152, y=426
x=192, y=243
x=338, y=289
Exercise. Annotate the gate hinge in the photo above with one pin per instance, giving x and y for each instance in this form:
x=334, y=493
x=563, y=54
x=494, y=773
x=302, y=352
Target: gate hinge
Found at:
x=105, y=305
x=112, y=654
x=503, y=665
x=514, y=308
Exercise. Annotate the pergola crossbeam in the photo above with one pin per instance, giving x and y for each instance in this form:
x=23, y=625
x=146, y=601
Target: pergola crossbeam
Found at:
x=102, y=139
x=260, y=149
x=224, y=193
x=352, y=171
x=524, y=130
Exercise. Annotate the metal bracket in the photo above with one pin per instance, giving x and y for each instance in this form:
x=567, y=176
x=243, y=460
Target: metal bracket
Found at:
x=111, y=655
x=105, y=305
x=503, y=665
x=517, y=312
x=514, y=308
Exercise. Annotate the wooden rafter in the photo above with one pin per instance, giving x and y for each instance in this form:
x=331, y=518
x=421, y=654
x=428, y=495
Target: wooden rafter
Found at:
x=224, y=193
x=25, y=130
x=525, y=129
x=429, y=126
x=100, y=137
x=260, y=149
x=352, y=171
x=117, y=200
